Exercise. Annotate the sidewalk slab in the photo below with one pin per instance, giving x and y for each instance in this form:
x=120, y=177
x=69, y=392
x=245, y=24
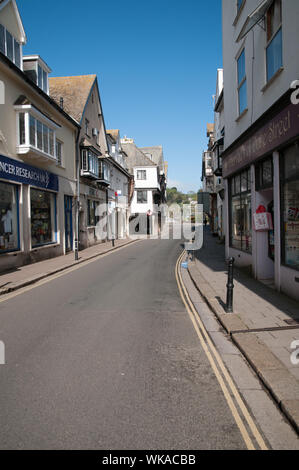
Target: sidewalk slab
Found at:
x=263, y=325
x=32, y=273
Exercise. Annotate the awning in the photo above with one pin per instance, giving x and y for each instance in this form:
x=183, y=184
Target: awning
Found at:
x=254, y=18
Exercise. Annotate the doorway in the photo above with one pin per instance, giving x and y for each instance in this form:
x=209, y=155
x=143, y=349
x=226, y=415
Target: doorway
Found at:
x=68, y=203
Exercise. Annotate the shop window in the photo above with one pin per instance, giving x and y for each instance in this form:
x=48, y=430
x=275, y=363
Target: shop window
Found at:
x=43, y=217
x=290, y=207
x=264, y=174
x=241, y=214
x=9, y=217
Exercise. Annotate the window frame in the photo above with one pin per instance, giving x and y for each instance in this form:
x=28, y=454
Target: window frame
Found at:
x=54, y=221
x=283, y=181
x=270, y=40
x=17, y=188
x=143, y=178
x=14, y=42
x=233, y=193
x=138, y=191
x=243, y=81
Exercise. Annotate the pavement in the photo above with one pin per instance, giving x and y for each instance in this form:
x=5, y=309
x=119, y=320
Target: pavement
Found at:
x=105, y=357
x=32, y=273
x=264, y=324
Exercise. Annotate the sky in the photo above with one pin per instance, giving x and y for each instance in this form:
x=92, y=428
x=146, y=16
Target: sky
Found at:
x=156, y=62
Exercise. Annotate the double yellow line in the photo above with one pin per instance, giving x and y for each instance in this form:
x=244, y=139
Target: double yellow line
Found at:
x=244, y=421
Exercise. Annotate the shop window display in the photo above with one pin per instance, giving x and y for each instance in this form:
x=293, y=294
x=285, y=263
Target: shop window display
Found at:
x=241, y=214
x=290, y=209
x=9, y=229
x=43, y=217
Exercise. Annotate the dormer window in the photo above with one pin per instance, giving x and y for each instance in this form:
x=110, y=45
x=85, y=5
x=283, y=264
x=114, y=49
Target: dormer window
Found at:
x=37, y=70
x=10, y=47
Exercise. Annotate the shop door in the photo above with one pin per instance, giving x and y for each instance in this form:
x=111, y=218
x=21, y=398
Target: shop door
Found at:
x=68, y=201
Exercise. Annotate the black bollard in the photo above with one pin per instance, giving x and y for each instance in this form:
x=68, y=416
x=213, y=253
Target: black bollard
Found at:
x=230, y=286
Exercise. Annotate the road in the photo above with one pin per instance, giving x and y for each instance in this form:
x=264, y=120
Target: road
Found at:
x=105, y=357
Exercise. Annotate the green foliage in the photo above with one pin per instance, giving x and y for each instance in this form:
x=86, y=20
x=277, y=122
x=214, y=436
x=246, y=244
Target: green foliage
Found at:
x=175, y=196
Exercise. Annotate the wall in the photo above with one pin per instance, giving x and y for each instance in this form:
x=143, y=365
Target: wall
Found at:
x=258, y=100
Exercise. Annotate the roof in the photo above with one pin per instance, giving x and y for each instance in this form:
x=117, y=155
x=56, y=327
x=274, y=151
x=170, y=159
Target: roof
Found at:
x=156, y=154
x=114, y=133
x=135, y=157
x=210, y=128
x=3, y=4
x=74, y=91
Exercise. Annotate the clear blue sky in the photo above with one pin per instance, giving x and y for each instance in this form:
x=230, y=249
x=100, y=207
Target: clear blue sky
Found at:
x=156, y=63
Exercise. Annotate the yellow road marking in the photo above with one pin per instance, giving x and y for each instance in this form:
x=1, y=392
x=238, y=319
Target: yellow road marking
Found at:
x=52, y=277
x=209, y=348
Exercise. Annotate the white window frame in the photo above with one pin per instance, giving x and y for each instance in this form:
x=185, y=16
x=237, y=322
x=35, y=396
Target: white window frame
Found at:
x=143, y=173
x=14, y=52
x=27, y=147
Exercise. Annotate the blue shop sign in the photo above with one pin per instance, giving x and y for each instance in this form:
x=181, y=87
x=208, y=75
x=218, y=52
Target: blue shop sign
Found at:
x=14, y=170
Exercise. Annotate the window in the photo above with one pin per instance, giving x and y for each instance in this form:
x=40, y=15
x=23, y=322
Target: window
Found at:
x=290, y=206
x=104, y=171
x=264, y=174
x=274, y=39
x=59, y=152
x=92, y=215
x=241, y=227
x=141, y=174
x=9, y=46
x=141, y=197
x=89, y=163
x=9, y=217
x=242, y=83
x=86, y=127
x=41, y=137
x=239, y=4
x=43, y=217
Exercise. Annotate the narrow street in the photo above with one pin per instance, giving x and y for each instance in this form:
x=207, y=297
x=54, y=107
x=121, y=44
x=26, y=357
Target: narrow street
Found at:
x=106, y=357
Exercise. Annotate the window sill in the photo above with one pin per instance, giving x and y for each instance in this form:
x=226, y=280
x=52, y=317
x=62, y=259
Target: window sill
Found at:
x=43, y=247
x=241, y=115
x=269, y=83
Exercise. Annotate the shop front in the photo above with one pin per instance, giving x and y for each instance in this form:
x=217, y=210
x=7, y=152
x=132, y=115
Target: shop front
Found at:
x=28, y=219
x=262, y=184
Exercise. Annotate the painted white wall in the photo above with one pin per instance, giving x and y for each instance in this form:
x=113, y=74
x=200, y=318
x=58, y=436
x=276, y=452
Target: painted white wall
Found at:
x=258, y=99
x=151, y=177
x=142, y=208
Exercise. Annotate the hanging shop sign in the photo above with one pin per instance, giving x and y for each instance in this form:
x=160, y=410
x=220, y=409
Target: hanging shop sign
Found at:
x=14, y=170
x=262, y=220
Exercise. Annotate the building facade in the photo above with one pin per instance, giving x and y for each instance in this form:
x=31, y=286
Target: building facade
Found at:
x=261, y=158
x=79, y=96
x=37, y=155
x=148, y=190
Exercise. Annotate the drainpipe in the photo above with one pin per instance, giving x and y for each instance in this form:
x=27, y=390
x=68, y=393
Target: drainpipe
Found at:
x=78, y=196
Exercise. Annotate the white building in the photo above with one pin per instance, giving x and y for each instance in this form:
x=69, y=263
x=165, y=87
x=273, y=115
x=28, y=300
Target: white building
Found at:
x=147, y=187
x=261, y=157
x=118, y=191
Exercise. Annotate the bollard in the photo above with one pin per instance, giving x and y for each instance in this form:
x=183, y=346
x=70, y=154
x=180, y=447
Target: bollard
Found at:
x=113, y=242
x=230, y=286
